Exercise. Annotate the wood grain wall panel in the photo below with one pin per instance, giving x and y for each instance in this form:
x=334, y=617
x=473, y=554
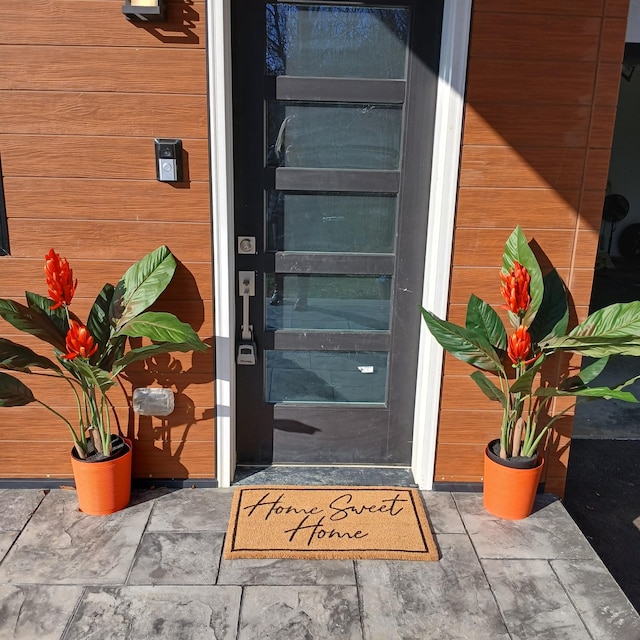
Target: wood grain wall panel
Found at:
x=597, y=168
x=461, y=392
x=103, y=114
x=542, y=7
x=535, y=37
x=124, y=70
x=618, y=8
x=458, y=426
x=613, y=39
x=601, y=130
x=83, y=93
x=101, y=23
x=109, y=239
x=501, y=81
x=537, y=126
x=591, y=209
x=173, y=459
x=84, y=157
x=48, y=459
x=532, y=167
x=484, y=247
x=503, y=206
x=586, y=248
x=87, y=199
x=459, y=461
x=607, y=84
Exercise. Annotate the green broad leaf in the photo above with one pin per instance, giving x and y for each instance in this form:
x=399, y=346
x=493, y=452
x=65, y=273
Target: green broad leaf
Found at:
x=552, y=317
x=142, y=285
x=14, y=393
x=98, y=321
x=92, y=375
x=524, y=382
x=462, y=343
x=58, y=316
x=489, y=388
x=142, y=353
x=482, y=319
x=616, y=320
x=595, y=347
x=517, y=249
x=33, y=321
x=16, y=357
x=592, y=371
x=589, y=392
x=162, y=327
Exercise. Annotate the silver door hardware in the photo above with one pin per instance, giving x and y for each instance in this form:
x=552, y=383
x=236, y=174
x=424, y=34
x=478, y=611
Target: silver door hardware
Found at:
x=247, y=353
x=246, y=289
x=246, y=245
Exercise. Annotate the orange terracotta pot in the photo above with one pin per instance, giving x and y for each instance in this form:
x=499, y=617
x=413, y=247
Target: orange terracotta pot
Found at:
x=508, y=492
x=103, y=487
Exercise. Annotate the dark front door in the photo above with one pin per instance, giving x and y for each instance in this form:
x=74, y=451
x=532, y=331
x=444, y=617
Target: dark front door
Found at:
x=333, y=125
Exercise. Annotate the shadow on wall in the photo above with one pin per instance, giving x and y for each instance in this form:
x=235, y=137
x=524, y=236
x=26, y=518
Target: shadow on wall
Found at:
x=179, y=25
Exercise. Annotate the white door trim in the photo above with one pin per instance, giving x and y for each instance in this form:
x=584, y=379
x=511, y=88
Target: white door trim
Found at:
x=218, y=14
x=444, y=184
x=442, y=204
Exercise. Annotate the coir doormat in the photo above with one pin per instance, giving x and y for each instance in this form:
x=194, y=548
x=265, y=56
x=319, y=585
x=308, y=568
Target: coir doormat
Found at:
x=329, y=523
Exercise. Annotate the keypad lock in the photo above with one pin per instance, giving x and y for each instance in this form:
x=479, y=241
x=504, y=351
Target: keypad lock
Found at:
x=247, y=353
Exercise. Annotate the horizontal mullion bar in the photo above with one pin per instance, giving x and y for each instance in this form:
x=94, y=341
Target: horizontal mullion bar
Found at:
x=314, y=340
x=334, y=263
x=354, y=180
x=363, y=91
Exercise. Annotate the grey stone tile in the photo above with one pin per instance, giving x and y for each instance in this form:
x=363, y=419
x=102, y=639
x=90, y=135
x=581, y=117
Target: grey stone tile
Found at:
x=548, y=533
x=598, y=599
x=6, y=540
x=445, y=600
x=442, y=512
x=192, y=510
x=17, y=506
x=29, y=611
x=533, y=602
x=167, y=557
x=286, y=572
x=171, y=613
x=62, y=545
x=296, y=613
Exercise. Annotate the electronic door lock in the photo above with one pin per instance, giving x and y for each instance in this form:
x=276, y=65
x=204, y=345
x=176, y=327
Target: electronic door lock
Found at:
x=247, y=353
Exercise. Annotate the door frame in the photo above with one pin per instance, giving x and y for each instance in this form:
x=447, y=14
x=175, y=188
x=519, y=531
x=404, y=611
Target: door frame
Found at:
x=443, y=193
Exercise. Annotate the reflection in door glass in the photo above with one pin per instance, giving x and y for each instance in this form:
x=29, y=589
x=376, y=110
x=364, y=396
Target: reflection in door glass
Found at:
x=326, y=222
x=326, y=376
x=336, y=41
x=330, y=303
x=347, y=136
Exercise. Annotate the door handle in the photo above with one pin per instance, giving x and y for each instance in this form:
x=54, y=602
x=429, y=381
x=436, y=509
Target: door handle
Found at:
x=246, y=290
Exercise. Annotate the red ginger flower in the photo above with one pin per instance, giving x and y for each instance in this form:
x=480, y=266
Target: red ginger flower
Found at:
x=515, y=289
x=59, y=279
x=519, y=345
x=79, y=342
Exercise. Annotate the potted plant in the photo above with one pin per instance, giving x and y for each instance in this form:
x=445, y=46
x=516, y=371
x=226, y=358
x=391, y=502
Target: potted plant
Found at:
x=509, y=367
x=88, y=359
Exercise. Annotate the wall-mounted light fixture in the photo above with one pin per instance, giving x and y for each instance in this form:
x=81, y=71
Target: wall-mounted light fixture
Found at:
x=144, y=9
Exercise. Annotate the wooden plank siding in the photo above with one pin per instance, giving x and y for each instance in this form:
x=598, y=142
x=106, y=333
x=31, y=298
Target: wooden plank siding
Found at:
x=541, y=100
x=83, y=93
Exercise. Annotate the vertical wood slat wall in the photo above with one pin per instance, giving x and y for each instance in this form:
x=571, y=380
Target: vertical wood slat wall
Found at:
x=83, y=93
x=541, y=100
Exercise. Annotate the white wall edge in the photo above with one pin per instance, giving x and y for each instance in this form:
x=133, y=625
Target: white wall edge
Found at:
x=221, y=159
x=442, y=205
